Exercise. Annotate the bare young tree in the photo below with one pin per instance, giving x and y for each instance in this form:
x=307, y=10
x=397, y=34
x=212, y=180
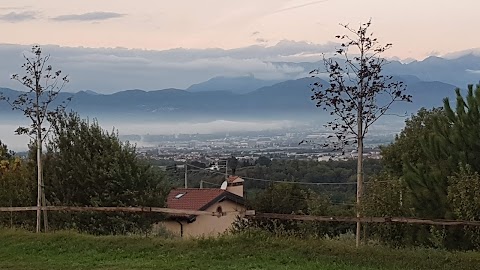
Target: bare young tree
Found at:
x=358, y=94
x=43, y=87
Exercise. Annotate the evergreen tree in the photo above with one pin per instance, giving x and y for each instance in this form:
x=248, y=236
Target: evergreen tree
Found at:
x=455, y=138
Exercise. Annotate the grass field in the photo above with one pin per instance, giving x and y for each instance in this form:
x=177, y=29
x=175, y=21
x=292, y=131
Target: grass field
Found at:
x=68, y=250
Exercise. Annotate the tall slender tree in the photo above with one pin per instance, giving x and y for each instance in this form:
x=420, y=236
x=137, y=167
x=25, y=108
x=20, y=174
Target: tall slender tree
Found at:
x=43, y=87
x=358, y=93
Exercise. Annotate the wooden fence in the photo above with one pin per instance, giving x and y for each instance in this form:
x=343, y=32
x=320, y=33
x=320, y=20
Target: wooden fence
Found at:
x=118, y=209
x=420, y=221
x=250, y=214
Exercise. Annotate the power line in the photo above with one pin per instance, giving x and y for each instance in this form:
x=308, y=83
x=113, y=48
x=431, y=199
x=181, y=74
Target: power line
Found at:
x=293, y=182
x=210, y=183
x=301, y=183
x=276, y=181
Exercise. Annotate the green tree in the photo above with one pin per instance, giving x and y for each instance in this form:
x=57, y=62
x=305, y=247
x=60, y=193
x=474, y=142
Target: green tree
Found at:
x=282, y=198
x=17, y=188
x=387, y=196
x=263, y=161
x=407, y=147
x=455, y=138
x=464, y=197
x=426, y=157
x=232, y=163
x=87, y=166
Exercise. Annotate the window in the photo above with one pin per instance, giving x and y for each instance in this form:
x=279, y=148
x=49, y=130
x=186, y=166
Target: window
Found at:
x=180, y=195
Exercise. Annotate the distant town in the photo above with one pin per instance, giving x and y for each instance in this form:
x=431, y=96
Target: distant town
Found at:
x=247, y=147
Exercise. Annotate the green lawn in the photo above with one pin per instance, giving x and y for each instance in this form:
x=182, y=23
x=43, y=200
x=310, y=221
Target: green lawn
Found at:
x=67, y=250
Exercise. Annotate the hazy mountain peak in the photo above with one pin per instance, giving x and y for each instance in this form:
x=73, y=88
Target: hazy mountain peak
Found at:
x=89, y=92
x=239, y=85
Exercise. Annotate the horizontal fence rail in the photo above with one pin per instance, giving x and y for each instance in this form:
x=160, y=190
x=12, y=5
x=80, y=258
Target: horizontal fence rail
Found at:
x=249, y=214
x=121, y=209
x=404, y=220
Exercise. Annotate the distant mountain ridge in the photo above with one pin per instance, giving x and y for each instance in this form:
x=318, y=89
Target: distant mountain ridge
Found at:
x=241, y=85
x=459, y=71
x=285, y=100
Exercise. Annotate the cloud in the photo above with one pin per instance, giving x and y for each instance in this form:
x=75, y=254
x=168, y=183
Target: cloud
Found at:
x=261, y=40
x=107, y=70
x=15, y=8
x=15, y=17
x=473, y=71
x=454, y=55
x=255, y=33
x=90, y=16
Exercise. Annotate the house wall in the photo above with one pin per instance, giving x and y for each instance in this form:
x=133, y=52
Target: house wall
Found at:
x=237, y=190
x=206, y=225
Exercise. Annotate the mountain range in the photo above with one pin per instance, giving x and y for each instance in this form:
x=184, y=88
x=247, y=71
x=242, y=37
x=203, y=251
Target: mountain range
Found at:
x=224, y=98
x=459, y=71
x=249, y=98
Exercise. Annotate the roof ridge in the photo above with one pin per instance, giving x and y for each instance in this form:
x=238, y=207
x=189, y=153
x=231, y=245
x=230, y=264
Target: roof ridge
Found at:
x=197, y=189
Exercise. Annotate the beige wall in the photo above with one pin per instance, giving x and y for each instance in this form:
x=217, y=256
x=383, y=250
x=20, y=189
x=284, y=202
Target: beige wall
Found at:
x=206, y=225
x=237, y=190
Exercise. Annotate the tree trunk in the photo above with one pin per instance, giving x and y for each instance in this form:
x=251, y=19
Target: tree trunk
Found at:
x=39, y=182
x=359, y=187
x=40, y=178
x=44, y=203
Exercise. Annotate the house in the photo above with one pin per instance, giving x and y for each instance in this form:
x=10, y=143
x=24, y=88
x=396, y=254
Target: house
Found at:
x=227, y=201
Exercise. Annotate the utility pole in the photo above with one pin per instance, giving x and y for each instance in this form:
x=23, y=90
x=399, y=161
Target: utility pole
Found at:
x=186, y=177
x=226, y=169
x=201, y=184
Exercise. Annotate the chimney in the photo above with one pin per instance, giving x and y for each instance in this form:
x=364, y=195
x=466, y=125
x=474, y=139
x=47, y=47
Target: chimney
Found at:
x=235, y=185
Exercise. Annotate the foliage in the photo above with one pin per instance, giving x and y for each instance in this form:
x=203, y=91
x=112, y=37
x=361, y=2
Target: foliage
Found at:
x=464, y=197
x=232, y=163
x=357, y=87
x=407, y=147
x=43, y=87
x=286, y=198
x=453, y=139
x=17, y=188
x=263, y=161
x=281, y=198
x=426, y=157
x=386, y=196
x=292, y=170
x=87, y=166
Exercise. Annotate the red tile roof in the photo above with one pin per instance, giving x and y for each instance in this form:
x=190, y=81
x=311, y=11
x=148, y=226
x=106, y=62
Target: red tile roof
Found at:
x=193, y=198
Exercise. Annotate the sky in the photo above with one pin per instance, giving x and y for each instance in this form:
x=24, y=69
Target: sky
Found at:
x=113, y=45
x=416, y=28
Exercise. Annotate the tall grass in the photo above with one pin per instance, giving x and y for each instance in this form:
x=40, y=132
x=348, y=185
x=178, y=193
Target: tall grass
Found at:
x=249, y=250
